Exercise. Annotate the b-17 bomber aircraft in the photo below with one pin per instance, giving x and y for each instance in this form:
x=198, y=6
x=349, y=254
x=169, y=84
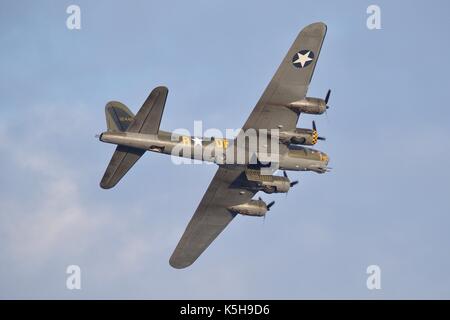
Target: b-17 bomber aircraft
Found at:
x=242, y=171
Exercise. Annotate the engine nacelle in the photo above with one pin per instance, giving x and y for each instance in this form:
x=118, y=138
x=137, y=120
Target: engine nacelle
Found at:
x=307, y=137
x=257, y=208
x=309, y=105
x=268, y=183
x=278, y=185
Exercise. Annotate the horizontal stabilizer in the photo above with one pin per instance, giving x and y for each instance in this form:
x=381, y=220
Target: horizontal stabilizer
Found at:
x=122, y=160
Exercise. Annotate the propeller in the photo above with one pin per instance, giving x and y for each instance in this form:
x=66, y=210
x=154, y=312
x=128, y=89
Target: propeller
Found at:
x=293, y=183
x=315, y=129
x=268, y=208
x=327, y=97
x=268, y=205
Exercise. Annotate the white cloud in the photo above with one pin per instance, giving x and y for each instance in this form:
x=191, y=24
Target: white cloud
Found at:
x=54, y=219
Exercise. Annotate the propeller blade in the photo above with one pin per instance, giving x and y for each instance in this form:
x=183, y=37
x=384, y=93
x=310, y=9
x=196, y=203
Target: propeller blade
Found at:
x=270, y=204
x=327, y=97
x=293, y=183
x=285, y=174
x=315, y=129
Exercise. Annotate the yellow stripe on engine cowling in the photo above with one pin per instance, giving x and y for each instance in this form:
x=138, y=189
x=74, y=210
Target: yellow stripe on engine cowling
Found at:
x=315, y=137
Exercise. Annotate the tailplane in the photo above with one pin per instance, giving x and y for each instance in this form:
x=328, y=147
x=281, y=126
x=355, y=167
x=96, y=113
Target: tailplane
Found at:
x=120, y=119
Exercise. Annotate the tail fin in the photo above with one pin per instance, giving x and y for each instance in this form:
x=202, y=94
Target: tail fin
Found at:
x=120, y=118
x=149, y=116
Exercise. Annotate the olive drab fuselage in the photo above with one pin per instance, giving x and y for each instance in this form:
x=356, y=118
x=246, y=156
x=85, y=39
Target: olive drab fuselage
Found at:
x=221, y=151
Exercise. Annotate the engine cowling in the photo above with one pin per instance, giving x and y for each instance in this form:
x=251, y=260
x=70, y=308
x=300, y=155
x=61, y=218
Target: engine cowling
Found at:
x=278, y=185
x=268, y=183
x=307, y=137
x=309, y=105
x=257, y=208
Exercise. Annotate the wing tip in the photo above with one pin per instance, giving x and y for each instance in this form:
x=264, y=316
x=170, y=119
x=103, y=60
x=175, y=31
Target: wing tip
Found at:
x=179, y=263
x=161, y=88
x=105, y=185
x=318, y=24
x=315, y=28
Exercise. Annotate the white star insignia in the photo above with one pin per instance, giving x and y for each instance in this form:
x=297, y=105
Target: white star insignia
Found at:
x=303, y=58
x=197, y=141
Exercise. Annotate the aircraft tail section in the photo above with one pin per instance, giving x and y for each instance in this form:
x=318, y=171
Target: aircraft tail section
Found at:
x=119, y=118
x=122, y=161
x=148, y=118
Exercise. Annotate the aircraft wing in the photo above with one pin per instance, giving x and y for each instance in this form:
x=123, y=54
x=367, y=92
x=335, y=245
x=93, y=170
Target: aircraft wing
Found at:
x=211, y=216
x=290, y=82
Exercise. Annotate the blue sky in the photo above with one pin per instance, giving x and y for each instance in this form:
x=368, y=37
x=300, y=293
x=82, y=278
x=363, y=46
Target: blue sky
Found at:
x=386, y=202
